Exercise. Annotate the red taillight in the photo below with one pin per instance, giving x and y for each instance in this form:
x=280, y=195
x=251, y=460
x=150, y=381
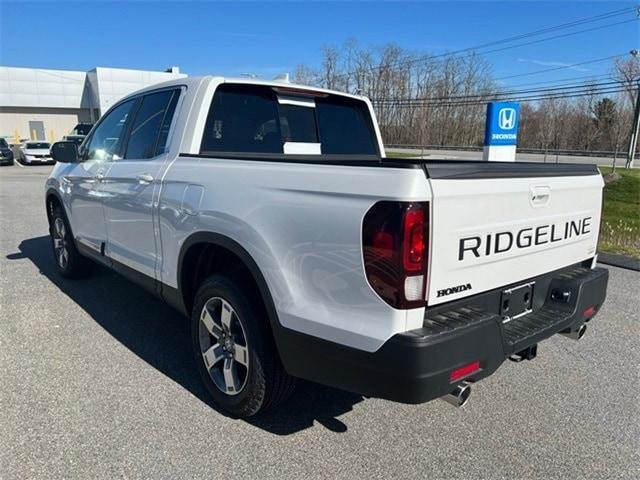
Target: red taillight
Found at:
x=414, y=247
x=462, y=372
x=589, y=312
x=394, y=236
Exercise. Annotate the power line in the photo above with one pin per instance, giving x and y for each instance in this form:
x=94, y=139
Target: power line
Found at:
x=562, y=67
x=519, y=100
x=556, y=86
x=531, y=98
x=509, y=93
x=554, y=69
x=584, y=78
x=574, y=23
x=582, y=21
x=558, y=82
x=516, y=97
x=555, y=37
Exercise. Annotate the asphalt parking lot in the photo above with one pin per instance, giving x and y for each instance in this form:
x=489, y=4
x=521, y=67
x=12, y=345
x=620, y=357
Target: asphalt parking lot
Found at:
x=97, y=381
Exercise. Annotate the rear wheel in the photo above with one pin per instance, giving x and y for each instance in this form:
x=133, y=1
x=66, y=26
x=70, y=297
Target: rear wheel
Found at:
x=233, y=348
x=69, y=262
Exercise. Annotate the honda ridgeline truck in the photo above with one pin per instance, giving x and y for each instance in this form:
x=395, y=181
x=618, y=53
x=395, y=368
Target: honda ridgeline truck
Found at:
x=268, y=214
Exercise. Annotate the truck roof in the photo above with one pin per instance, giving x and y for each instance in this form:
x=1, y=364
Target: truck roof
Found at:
x=196, y=81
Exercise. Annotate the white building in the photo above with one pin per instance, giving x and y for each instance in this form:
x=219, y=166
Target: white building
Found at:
x=42, y=104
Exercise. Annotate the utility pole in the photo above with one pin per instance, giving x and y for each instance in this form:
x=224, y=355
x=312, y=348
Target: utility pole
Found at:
x=635, y=126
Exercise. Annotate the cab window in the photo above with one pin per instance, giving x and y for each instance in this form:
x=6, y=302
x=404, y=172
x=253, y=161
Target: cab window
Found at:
x=150, y=127
x=106, y=139
x=243, y=119
x=266, y=120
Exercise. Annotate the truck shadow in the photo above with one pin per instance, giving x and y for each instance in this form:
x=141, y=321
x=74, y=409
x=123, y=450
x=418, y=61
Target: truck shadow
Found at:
x=160, y=336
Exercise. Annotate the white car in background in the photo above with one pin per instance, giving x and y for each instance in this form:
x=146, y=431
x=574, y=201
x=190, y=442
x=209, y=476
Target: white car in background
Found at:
x=35, y=152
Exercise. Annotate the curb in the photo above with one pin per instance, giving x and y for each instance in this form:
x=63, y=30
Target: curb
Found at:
x=622, y=261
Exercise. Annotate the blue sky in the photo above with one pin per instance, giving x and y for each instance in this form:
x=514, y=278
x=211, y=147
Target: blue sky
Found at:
x=268, y=38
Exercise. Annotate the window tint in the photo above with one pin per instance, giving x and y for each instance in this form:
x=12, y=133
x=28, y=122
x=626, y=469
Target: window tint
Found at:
x=82, y=129
x=345, y=127
x=298, y=124
x=166, y=123
x=249, y=119
x=146, y=126
x=242, y=119
x=3, y=143
x=107, y=137
x=37, y=145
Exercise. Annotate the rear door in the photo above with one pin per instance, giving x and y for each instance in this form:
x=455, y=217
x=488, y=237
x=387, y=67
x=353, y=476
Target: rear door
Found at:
x=490, y=232
x=132, y=183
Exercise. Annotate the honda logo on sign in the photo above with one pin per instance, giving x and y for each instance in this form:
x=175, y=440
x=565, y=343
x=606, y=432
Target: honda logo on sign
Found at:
x=502, y=123
x=507, y=118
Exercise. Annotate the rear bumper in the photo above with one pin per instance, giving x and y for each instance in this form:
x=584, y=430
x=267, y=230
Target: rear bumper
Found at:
x=415, y=366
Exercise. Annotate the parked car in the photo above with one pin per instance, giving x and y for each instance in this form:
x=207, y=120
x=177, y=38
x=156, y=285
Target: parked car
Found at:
x=6, y=155
x=77, y=139
x=79, y=132
x=36, y=152
x=269, y=215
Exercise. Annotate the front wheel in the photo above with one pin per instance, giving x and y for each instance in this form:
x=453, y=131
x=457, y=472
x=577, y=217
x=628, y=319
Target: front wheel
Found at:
x=69, y=262
x=234, y=350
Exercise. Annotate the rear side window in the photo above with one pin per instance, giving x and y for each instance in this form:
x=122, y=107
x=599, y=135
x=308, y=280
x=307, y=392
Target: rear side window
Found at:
x=242, y=120
x=257, y=119
x=151, y=124
x=346, y=127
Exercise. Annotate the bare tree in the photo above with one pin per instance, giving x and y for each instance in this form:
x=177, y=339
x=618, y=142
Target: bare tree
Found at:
x=330, y=67
x=426, y=100
x=627, y=72
x=305, y=75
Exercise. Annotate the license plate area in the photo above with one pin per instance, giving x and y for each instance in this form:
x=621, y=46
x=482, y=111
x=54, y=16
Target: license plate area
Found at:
x=516, y=301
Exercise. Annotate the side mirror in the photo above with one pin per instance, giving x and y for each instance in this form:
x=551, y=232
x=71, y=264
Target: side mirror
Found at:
x=65, y=152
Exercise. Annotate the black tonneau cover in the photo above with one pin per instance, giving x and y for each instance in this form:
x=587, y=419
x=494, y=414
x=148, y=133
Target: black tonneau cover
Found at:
x=468, y=169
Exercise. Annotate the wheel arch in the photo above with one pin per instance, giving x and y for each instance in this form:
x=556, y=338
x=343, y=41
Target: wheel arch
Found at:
x=195, y=262
x=52, y=200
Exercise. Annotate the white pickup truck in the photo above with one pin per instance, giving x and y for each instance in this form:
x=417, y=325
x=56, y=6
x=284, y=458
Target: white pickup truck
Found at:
x=269, y=215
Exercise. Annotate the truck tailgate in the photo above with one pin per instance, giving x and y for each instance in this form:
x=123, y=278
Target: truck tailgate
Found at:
x=495, y=225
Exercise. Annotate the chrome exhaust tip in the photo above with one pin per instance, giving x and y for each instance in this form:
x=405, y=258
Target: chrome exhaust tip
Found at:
x=575, y=334
x=459, y=395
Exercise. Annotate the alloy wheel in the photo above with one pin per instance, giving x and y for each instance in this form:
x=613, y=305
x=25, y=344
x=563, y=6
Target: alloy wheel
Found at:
x=223, y=345
x=60, y=243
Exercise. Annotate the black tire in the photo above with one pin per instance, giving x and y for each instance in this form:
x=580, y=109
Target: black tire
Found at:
x=75, y=265
x=266, y=384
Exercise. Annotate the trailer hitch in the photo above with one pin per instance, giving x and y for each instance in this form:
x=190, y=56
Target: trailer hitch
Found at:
x=528, y=353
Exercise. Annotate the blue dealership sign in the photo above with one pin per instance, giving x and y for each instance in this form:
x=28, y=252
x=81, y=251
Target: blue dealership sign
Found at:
x=502, y=123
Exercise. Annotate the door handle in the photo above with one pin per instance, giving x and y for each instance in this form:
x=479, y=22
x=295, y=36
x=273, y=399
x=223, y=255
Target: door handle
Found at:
x=540, y=195
x=144, y=178
x=99, y=177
